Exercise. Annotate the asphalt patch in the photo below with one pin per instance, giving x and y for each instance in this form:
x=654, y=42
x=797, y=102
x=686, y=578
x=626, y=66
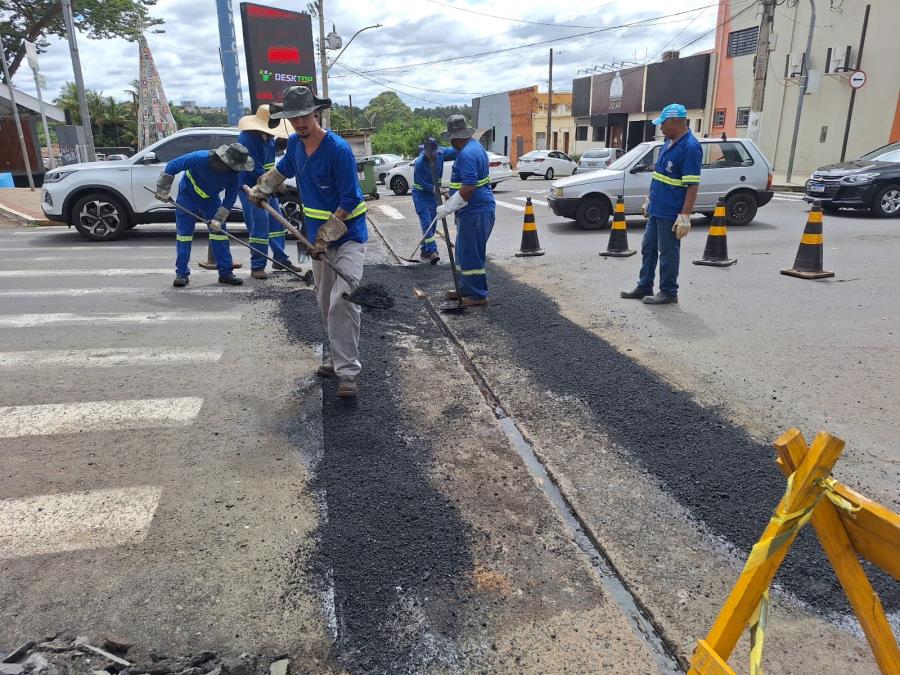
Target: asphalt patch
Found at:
x=374, y=296
x=717, y=470
x=395, y=549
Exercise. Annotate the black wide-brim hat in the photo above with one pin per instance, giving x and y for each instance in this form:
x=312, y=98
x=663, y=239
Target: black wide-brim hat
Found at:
x=235, y=156
x=297, y=102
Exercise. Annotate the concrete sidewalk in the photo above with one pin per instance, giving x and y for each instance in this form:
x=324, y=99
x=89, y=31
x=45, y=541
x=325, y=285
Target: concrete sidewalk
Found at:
x=796, y=184
x=23, y=206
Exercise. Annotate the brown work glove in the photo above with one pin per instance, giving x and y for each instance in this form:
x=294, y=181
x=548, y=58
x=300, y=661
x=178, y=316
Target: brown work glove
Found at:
x=319, y=247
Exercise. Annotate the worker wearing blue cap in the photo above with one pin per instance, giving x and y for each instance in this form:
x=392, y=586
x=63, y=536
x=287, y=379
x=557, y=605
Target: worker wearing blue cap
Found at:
x=668, y=207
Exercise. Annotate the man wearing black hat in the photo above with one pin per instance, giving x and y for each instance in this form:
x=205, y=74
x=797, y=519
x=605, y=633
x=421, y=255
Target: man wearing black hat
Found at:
x=206, y=174
x=335, y=213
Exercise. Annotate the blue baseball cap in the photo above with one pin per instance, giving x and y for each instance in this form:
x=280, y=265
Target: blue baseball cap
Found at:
x=671, y=110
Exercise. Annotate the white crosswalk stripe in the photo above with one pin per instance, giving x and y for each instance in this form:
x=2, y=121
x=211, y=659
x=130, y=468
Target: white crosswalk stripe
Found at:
x=121, y=290
x=533, y=200
x=130, y=272
x=512, y=207
x=95, y=249
x=68, y=418
x=390, y=211
x=76, y=521
x=34, y=320
x=104, y=358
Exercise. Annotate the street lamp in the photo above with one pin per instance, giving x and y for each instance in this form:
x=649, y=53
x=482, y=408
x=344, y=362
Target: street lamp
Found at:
x=377, y=25
x=326, y=114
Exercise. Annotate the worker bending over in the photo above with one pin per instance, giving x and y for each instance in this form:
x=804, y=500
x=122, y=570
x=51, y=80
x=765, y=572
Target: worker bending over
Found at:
x=206, y=174
x=423, y=195
x=264, y=231
x=325, y=169
x=473, y=202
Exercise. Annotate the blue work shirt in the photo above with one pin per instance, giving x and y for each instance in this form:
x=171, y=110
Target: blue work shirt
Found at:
x=677, y=168
x=201, y=184
x=471, y=168
x=262, y=149
x=423, y=186
x=327, y=181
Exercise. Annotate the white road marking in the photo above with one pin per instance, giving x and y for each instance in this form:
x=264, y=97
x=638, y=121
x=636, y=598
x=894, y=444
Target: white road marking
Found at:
x=390, y=211
x=507, y=205
x=33, y=320
x=86, y=273
x=536, y=192
x=533, y=200
x=786, y=198
x=122, y=290
x=41, y=229
x=73, y=418
x=95, y=249
x=92, y=358
x=68, y=259
x=76, y=521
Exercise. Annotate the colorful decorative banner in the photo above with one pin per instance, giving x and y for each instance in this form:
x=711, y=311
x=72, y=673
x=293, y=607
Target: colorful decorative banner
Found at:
x=155, y=119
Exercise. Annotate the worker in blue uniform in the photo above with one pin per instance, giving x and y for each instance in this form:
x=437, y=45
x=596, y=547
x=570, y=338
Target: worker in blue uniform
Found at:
x=206, y=174
x=264, y=230
x=325, y=170
x=423, y=195
x=472, y=201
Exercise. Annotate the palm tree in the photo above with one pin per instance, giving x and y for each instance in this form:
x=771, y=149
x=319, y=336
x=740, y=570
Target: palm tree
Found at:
x=117, y=116
x=96, y=103
x=68, y=100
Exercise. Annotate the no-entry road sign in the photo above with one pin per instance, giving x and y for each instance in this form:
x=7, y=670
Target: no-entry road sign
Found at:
x=858, y=79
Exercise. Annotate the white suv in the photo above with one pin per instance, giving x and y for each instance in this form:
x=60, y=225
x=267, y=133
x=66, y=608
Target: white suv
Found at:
x=103, y=200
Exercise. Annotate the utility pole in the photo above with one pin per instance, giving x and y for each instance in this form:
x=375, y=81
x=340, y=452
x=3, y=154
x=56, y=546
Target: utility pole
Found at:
x=760, y=70
x=323, y=59
x=12, y=100
x=79, y=80
x=859, y=55
x=549, y=101
x=31, y=51
x=804, y=81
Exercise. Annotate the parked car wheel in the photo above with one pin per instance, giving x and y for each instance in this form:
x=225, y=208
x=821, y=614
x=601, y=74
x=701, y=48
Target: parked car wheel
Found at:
x=592, y=213
x=549, y=175
x=381, y=178
x=399, y=185
x=740, y=209
x=524, y=176
x=98, y=216
x=887, y=202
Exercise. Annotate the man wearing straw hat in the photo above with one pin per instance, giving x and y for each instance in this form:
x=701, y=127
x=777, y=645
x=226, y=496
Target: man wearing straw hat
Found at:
x=325, y=169
x=264, y=231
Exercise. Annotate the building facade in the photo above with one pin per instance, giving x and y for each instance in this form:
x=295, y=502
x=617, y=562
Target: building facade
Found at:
x=562, y=123
x=828, y=131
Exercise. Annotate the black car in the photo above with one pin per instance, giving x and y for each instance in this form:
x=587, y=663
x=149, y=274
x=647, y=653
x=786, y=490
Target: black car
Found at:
x=870, y=182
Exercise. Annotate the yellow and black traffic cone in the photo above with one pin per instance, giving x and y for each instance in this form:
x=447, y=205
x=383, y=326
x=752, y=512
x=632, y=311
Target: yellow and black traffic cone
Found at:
x=618, y=234
x=808, y=263
x=530, y=243
x=716, y=252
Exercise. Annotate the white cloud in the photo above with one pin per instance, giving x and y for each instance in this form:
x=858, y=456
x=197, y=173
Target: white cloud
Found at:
x=414, y=31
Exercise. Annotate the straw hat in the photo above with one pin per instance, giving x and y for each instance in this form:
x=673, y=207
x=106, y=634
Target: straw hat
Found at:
x=261, y=121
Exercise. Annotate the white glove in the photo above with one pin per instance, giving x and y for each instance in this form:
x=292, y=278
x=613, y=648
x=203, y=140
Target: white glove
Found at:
x=452, y=205
x=682, y=226
x=645, y=206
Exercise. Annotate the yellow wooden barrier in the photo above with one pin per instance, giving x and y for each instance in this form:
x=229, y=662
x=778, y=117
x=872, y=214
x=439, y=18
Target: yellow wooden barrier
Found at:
x=848, y=526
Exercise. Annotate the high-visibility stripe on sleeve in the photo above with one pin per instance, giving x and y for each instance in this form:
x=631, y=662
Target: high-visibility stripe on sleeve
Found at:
x=197, y=188
x=360, y=209
x=690, y=179
x=480, y=183
x=667, y=180
x=269, y=165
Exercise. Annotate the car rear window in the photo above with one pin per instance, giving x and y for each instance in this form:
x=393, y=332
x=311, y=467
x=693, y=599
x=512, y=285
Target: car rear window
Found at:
x=592, y=154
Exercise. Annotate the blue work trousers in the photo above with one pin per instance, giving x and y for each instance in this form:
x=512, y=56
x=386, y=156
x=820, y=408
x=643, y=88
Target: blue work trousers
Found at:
x=472, y=233
x=264, y=232
x=184, y=235
x=426, y=210
x=660, y=243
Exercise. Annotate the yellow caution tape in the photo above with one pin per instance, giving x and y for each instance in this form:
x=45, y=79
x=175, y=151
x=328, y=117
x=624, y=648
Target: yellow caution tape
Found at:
x=828, y=485
x=758, y=634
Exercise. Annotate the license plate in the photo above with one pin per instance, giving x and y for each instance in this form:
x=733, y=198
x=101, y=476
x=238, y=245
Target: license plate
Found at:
x=817, y=187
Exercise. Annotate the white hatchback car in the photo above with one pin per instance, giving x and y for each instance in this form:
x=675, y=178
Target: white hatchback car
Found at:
x=598, y=158
x=401, y=177
x=546, y=163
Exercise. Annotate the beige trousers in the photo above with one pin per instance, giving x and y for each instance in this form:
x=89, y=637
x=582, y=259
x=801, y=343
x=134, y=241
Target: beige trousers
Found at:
x=341, y=317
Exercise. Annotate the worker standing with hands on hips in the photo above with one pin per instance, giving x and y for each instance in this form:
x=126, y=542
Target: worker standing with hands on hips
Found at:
x=668, y=207
x=206, y=174
x=335, y=212
x=423, y=195
x=264, y=231
x=472, y=201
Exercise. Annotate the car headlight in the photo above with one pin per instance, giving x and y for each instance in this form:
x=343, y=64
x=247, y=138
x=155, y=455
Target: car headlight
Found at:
x=56, y=176
x=557, y=192
x=858, y=178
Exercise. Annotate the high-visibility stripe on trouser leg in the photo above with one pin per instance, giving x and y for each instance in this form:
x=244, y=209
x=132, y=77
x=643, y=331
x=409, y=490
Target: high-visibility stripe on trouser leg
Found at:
x=426, y=211
x=472, y=233
x=257, y=222
x=184, y=233
x=221, y=252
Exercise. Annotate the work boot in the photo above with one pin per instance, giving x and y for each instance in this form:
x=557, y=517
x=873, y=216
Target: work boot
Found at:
x=211, y=265
x=325, y=370
x=432, y=256
x=259, y=274
x=286, y=265
x=348, y=388
x=231, y=280
x=451, y=295
x=473, y=301
x=636, y=294
x=180, y=282
x=661, y=299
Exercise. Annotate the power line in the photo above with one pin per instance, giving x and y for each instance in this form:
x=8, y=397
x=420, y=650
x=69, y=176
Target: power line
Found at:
x=386, y=86
x=506, y=18
x=715, y=28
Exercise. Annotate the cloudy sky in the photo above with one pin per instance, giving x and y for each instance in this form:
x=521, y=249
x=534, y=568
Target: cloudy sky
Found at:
x=409, y=54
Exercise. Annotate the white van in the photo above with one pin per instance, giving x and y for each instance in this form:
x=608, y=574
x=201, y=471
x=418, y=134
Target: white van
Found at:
x=733, y=169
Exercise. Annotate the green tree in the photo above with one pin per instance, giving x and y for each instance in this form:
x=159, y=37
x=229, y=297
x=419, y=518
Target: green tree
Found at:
x=68, y=101
x=118, y=116
x=385, y=109
x=403, y=137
